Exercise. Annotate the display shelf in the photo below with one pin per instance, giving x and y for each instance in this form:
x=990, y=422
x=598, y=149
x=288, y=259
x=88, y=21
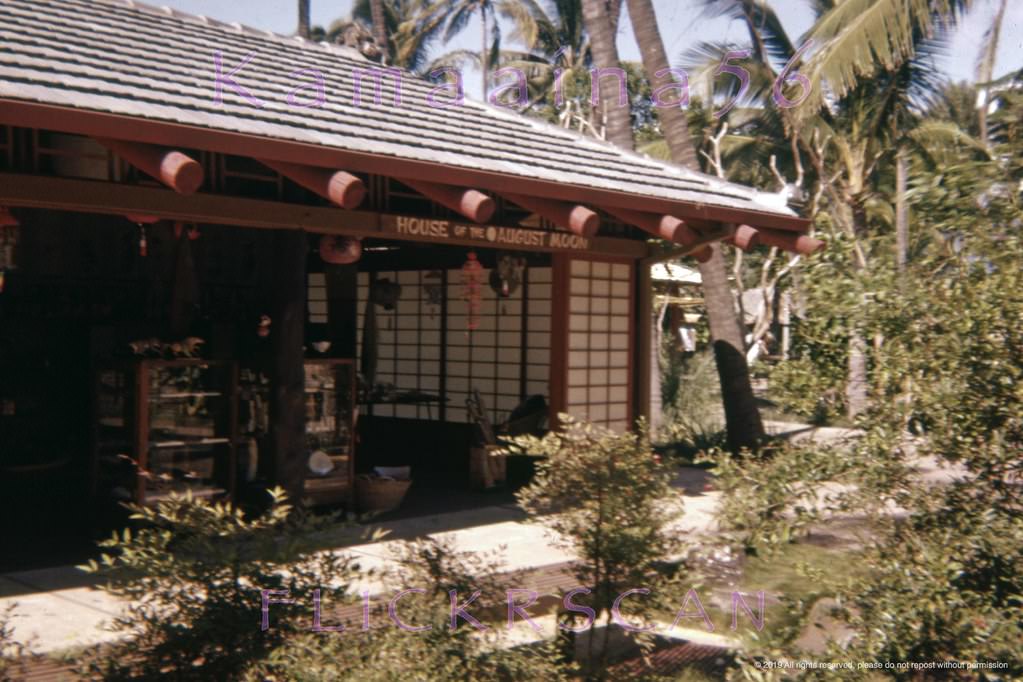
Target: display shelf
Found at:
x=165, y=426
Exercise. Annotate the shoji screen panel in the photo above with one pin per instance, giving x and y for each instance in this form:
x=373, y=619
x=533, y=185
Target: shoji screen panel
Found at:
x=408, y=339
x=538, y=331
x=599, y=349
x=489, y=358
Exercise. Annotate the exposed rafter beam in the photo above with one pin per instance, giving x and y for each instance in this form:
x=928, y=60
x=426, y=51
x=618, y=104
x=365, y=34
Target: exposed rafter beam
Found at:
x=578, y=219
x=180, y=172
x=471, y=203
x=790, y=241
x=338, y=186
x=745, y=237
x=666, y=227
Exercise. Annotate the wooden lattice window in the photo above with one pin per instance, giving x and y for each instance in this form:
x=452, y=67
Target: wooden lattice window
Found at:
x=599, y=345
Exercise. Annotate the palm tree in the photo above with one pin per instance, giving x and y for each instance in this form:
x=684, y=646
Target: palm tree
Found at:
x=303, y=18
x=986, y=66
x=557, y=49
x=402, y=45
x=449, y=17
x=617, y=120
x=742, y=418
x=379, y=25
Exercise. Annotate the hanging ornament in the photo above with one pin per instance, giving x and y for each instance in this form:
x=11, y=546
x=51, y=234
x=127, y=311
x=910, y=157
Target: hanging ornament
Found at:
x=8, y=239
x=263, y=328
x=142, y=220
x=472, y=277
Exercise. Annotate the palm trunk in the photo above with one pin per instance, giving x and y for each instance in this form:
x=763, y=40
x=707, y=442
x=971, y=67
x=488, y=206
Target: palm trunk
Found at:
x=303, y=18
x=856, y=380
x=901, y=210
x=617, y=119
x=485, y=54
x=376, y=8
x=985, y=71
x=744, y=426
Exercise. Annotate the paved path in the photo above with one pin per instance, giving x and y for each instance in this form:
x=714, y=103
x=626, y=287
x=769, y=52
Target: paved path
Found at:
x=59, y=608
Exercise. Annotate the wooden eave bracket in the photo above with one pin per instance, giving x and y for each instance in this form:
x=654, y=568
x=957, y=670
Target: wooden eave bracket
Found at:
x=471, y=203
x=180, y=172
x=568, y=216
x=337, y=186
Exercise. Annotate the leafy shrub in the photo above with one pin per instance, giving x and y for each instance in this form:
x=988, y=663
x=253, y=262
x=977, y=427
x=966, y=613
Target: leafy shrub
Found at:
x=610, y=500
x=11, y=651
x=192, y=573
x=691, y=400
x=387, y=653
x=799, y=386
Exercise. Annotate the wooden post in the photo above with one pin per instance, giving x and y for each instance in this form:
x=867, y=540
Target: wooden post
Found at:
x=181, y=173
x=287, y=372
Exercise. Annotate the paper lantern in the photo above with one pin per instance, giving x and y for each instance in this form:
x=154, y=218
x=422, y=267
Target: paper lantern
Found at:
x=472, y=290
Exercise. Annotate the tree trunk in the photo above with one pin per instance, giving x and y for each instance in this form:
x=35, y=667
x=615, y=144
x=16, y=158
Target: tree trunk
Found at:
x=856, y=380
x=655, y=60
x=376, y=8
x=617, y=119
x=745, y=428
x=901, y=210
x=303, y=18
x=985, y=70
x=485, y=54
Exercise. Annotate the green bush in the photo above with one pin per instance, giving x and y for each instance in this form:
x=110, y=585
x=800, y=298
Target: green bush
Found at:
x=387, y=653
x=193, y=575
x=609, y=499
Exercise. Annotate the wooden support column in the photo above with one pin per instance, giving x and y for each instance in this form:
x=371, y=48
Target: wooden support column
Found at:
x=337, y=186
x=286, y=370
x=472, y=204
x=578, y=219
x=181, y=173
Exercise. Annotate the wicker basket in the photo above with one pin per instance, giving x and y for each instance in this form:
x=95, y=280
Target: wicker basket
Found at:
x=375, y=494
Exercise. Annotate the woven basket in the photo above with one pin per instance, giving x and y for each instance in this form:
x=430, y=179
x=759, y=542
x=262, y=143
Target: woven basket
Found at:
x=379, y=494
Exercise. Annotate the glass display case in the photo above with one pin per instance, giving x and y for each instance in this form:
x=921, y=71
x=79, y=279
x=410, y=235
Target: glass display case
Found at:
x=330, y=409
x=165, y=426
x=330, y=416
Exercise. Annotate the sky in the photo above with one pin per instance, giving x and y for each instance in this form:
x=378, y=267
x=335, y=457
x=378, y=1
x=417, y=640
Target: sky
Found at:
x=681, y=22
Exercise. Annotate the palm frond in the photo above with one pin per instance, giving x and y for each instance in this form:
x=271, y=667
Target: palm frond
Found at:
x=856, y=38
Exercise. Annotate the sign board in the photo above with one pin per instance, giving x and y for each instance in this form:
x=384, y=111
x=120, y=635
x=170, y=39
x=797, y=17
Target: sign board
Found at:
x=493, y=236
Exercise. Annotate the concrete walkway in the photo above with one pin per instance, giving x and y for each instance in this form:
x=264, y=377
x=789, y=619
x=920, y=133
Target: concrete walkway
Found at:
x=59, y=608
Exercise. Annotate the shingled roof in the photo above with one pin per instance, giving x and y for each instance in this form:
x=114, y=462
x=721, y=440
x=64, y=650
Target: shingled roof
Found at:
x=131, y=60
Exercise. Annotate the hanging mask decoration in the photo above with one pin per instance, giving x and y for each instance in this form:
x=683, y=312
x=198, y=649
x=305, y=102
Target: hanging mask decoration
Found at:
x=263, y=328
x=8, y=240
x=142, y=220
x=506, y=277
x=472, y=291
x=434, y=288
x=385, y=293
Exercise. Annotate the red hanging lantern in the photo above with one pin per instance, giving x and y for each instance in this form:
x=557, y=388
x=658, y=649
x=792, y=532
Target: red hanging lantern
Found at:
x=472, y=290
